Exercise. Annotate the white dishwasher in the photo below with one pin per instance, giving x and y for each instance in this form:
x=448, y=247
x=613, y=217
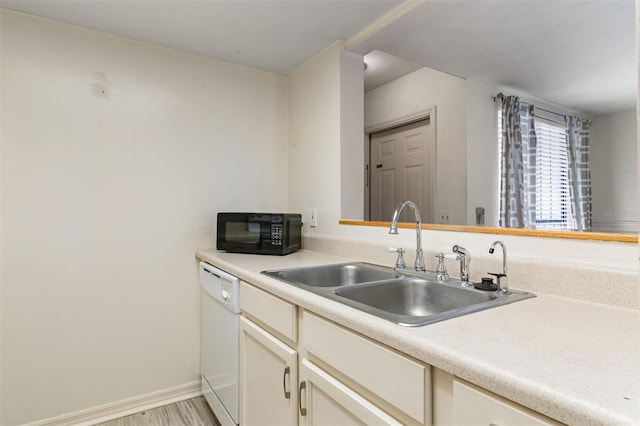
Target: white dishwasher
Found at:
x=219, y=347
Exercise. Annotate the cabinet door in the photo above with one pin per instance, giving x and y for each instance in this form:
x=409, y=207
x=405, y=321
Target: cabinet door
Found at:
x=268, y=378
x=327, y=401
x=475, y=406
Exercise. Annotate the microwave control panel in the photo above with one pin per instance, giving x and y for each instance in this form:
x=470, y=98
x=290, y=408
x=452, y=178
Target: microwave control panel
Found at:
x=276, y=234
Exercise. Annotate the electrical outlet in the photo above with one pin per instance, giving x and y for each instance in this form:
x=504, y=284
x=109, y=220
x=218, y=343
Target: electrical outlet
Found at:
x=313, y=217
x=444, y=216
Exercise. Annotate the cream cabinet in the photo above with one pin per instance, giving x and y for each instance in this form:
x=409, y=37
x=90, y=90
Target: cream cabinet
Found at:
x=475, y=406
x=322, y=381
x=268, y=359
x=297, y=367
x=271, y=312
x=268, y=378
x=375, y=380
x=326, y=401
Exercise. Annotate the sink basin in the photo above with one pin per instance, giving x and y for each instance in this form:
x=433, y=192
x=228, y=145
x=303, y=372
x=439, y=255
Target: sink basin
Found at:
x=415, y=297
x=412, y=301
x=334, y=275
x=404, y=298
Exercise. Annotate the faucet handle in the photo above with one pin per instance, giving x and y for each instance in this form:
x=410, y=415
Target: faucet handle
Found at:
x=400, y=263
x=441, y=269
x=502, y=282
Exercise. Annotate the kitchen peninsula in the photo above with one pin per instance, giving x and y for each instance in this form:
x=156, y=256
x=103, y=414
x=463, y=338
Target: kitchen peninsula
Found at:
x=575, y=362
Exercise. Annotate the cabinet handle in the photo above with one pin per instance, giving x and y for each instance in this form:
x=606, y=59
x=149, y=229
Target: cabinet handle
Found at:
x=287, y=394
x=303, y=411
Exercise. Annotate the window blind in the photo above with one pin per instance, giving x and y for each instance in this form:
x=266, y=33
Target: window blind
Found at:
x=552, y=176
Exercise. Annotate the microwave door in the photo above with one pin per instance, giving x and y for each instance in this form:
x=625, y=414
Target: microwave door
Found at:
x=242, y=232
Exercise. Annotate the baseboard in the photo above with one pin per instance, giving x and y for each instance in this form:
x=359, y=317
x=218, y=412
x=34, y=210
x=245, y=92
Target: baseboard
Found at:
x=125, y=407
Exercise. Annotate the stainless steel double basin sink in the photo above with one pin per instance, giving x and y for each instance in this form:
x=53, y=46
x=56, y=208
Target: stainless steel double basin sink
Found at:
x=405, y=298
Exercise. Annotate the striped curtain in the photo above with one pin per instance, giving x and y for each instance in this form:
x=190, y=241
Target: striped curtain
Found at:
x=517, y=165
x=579, y=172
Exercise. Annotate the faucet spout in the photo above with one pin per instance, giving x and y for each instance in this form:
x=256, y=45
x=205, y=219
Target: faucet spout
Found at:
x=419, y=264
x=502, y=279
x=504, y=255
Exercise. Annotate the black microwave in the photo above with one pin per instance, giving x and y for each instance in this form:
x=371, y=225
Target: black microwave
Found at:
x=259, y=233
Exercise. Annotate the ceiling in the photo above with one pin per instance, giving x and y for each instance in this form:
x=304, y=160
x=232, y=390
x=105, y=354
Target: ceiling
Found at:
x=580, y=54
x=270, y=35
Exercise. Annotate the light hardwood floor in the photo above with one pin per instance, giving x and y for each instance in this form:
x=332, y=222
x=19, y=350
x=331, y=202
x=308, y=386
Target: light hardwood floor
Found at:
x=192, y=412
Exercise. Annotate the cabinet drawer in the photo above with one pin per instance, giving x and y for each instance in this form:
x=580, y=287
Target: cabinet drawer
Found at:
x=475, y=406
x=275, y=313
x=330, y=402
x=392, y=377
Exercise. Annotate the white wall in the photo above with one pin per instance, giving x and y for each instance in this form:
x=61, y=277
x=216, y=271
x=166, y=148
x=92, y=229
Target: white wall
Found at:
x=314, y=139
x=116, y=155
x=483, y=156
x=614, y=171
x=420, y=91
x=352, y=174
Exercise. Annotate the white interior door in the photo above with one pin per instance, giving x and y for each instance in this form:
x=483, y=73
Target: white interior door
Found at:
x=403, y=168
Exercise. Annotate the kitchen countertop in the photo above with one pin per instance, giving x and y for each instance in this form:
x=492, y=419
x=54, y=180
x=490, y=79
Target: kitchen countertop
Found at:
x=576, y=362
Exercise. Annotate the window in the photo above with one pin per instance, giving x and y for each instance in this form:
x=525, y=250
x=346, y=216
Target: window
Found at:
x=552, y=203
x=552, y=200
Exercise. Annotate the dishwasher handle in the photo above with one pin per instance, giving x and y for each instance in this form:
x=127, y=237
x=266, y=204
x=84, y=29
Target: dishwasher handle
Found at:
x=218, y=273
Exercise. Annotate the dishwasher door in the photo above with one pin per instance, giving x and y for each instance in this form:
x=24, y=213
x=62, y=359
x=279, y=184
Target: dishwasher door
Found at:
x=220, y=314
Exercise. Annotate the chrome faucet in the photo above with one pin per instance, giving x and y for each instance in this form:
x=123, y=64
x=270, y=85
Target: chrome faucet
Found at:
x=419, y=264
x=465, y=260
x=502, y=280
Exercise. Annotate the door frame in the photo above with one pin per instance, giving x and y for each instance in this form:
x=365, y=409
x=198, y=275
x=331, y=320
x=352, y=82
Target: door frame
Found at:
x=428, y=113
